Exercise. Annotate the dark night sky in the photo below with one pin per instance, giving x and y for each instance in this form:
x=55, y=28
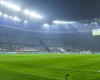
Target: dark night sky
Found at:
x=66, y=9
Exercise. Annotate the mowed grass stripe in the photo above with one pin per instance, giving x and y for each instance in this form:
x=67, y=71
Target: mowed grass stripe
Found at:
x=13, y=75
x=51, y=66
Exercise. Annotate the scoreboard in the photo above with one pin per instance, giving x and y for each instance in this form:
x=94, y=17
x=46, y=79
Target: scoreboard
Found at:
x=96, y=32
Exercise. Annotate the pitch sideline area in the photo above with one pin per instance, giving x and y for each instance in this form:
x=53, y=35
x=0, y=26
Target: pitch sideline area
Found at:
x=49, y=67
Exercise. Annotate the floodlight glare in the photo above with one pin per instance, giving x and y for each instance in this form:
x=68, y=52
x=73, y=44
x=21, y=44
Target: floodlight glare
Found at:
x=16, y=19
x=59, y=22
x=25, y=21
x=5, y=16
x=32, y=14
x=10, y=5
x=62, y=22
x=46, y=25
x=10, y=17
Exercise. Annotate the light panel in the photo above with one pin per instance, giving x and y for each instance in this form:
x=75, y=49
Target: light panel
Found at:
x=62, y=22
x=25, y=21
x=10, y=17
x=16, y=19
x=32, y=14
x=5, y=16
x=10, y=5
x=46, y=25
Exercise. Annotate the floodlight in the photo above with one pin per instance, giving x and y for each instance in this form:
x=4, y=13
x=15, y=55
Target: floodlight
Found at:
x=10, y=5
x=16, y=19
x=32, y=14
x=25, y=21
x=5, y=16
x=46, y=25
x=10, y=17
x=62, y=22
x=0, y=13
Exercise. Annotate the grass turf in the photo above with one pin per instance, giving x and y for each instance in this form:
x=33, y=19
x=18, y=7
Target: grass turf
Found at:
x=49, y=67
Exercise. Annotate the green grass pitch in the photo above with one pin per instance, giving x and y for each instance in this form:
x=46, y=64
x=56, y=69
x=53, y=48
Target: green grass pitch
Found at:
x=49, y=67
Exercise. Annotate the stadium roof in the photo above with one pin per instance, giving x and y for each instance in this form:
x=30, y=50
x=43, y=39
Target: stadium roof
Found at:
x=19, y=13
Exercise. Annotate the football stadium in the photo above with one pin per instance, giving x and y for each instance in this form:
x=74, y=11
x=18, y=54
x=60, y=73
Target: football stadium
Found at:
x=38, y=45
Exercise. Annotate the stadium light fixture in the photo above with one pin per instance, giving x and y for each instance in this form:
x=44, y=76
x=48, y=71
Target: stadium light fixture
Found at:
x=46, y=25
x=62, y=22
x=10, y=17
x=25, y=21
x=10, y=5
x=5, y=16
x=32, y=14
x=16, y=19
